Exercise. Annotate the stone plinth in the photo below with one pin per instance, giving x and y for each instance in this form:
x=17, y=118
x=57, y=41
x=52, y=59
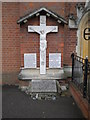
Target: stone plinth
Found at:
x=34, y=74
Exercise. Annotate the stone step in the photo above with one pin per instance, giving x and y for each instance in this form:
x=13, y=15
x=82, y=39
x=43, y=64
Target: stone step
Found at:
x=40, y=86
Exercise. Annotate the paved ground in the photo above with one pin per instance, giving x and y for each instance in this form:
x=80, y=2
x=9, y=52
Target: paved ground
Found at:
x=17, y=104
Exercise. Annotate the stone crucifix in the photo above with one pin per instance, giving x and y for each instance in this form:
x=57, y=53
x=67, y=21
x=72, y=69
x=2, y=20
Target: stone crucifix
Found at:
x=43, y=30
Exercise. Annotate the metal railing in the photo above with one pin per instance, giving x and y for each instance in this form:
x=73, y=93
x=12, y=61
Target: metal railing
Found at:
x=81, y=75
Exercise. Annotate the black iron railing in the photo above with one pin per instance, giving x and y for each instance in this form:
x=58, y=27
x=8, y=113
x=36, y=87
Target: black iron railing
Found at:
x=81, y=75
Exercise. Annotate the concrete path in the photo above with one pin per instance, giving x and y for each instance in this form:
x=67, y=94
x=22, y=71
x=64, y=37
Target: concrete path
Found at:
x=17, y=104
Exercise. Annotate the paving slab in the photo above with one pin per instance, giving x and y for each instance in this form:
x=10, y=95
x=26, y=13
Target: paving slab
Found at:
x=17, y=104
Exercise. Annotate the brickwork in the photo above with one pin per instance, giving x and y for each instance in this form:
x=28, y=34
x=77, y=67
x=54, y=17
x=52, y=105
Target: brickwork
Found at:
x=10, y=42
x=70, y=34
x=82, y=103
x=17, y=40
x=70, y=45
x=58, y=7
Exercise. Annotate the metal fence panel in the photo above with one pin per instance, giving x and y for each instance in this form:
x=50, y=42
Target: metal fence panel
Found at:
x=81, y=75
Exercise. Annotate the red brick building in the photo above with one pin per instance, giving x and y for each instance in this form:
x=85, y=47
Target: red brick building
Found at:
x=16, y=40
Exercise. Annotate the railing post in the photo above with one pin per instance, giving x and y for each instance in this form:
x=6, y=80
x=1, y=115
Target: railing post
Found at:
x=89, y=82
x=85, y=78
x=72, y=56
x=89, y=90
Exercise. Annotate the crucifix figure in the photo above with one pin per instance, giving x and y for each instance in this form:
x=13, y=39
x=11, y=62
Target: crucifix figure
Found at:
x=43, y=30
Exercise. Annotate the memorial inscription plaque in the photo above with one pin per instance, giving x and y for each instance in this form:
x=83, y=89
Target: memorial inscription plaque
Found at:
x=30, y=60
x=54, y=60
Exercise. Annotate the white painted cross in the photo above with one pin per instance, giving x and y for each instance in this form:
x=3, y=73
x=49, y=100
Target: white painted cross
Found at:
x=43, y=30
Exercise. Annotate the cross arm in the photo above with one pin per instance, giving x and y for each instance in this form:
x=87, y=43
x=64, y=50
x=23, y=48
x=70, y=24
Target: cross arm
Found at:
x=52, y=29
x=34, y=29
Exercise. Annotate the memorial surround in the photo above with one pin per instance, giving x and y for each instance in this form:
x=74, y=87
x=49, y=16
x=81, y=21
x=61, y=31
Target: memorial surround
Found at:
x=17, y=41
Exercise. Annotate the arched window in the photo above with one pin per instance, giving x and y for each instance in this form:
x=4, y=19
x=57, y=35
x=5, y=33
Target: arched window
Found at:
x=83, y=46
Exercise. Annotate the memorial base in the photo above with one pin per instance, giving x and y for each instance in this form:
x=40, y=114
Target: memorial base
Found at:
x=32, y=74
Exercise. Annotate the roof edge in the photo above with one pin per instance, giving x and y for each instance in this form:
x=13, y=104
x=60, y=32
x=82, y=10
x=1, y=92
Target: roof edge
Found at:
x=52, y=14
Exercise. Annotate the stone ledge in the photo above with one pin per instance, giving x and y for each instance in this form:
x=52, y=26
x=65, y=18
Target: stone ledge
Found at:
x=51, y=73
x=29, y=74
x=82, y=103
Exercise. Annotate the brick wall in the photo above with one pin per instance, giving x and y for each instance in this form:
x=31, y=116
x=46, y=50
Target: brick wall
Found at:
x=69, y=45
x=26, y=7
x=70, y=34
x=17, y=40
x=0, y=43
x=10, y=42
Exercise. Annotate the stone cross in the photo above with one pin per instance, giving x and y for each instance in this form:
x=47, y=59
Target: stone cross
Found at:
x=43, y=30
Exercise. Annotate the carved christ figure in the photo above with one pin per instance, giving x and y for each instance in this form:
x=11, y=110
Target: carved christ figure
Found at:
x=43, y=30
